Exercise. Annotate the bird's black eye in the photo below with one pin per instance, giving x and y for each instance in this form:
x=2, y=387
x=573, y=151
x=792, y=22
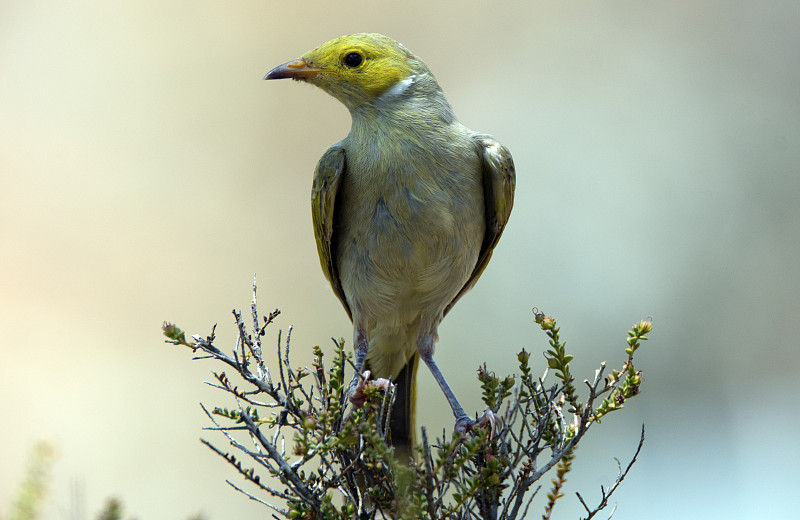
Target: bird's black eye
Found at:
x=353, y=60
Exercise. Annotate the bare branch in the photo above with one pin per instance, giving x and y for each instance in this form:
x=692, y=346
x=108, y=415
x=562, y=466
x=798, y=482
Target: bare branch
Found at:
x=620, y=477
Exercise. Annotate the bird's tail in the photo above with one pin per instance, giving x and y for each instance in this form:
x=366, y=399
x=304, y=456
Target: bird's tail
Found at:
x=404, y=413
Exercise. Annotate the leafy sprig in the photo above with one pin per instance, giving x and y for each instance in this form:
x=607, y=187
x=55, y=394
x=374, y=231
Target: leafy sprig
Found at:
x=340, y=465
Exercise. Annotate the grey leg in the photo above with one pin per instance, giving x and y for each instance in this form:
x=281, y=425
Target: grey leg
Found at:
x=425, y=346
x=361, y=345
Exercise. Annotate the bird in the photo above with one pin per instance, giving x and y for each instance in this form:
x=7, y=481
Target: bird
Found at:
x=406, y=210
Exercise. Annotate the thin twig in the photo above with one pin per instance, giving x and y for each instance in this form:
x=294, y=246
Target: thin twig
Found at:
x=620, y=477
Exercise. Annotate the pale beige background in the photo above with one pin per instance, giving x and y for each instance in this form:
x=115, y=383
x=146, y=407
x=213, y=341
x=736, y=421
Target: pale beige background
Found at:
x=146, y=172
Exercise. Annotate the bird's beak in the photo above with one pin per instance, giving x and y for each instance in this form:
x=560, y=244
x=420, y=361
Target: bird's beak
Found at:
x=295, y=69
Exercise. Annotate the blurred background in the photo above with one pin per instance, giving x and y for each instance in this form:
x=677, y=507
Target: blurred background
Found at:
x=146, y=172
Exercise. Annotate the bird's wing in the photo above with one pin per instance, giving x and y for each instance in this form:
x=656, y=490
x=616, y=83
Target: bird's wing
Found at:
x=499, y=179
x=327, y=179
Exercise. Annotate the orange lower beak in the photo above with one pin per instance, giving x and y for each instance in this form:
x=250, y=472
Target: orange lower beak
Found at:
x=295, y=69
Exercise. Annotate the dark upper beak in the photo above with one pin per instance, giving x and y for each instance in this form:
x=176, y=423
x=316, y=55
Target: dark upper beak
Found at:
x=295, y=69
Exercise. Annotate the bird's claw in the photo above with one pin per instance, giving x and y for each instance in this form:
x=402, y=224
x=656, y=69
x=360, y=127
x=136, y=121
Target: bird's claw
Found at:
x=465, y=424
x=357, y=395
x=490, y=420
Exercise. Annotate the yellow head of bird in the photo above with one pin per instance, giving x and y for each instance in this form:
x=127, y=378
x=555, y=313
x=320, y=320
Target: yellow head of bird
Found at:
x=355, y=69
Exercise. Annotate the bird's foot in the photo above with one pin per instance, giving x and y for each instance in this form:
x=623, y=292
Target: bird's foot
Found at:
x=464, y=424
x=357, y=395
x=489, y=420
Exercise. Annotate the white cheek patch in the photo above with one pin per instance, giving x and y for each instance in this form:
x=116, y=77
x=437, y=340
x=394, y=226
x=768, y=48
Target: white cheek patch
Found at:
x=398, y=88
